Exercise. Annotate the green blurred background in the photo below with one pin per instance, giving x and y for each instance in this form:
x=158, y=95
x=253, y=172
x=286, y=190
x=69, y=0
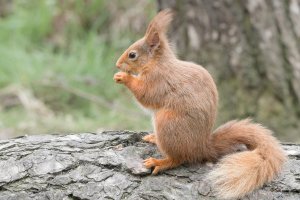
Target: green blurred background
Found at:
x=57, y=60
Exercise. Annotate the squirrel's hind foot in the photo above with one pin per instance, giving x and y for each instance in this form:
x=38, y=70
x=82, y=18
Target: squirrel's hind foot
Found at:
x=161, y=164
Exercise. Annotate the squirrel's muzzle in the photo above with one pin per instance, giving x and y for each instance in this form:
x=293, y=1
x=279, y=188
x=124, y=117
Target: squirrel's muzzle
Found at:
x=119, y=63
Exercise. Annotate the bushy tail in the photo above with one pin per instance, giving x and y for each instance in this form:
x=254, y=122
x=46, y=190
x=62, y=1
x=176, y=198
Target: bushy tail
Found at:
x=240, y=173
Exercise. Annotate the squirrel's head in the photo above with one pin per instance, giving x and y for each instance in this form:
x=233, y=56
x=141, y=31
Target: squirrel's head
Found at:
x=143, y=53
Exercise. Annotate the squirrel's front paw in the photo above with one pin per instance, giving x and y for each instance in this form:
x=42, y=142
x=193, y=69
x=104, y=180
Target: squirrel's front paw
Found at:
x=121, y=77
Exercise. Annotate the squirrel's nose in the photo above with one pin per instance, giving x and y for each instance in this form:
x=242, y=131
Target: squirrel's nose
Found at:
x=119, y=63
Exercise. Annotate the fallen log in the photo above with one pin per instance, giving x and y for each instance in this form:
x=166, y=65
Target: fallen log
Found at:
x=108, y=165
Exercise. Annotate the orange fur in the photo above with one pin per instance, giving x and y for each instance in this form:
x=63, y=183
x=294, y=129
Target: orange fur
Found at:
x=150, y=138
x=161, y=164
x=184, y=98
x=240, y=173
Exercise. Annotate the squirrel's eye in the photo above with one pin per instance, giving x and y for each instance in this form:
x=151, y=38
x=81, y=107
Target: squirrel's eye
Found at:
x=132, y=55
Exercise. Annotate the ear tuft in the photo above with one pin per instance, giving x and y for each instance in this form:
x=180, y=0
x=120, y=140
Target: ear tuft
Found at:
x=158, y=27
x=161, y=22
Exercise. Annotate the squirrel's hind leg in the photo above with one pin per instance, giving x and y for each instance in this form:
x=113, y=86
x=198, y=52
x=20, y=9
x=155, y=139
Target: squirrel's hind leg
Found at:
x=150, y=138
x=161, y=164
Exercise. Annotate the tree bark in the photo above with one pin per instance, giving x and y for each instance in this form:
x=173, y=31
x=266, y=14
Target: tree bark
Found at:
x=5, y=7
x=252, y=48
x=108, y=165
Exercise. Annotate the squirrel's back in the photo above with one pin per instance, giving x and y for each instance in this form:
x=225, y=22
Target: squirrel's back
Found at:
x=185, y=83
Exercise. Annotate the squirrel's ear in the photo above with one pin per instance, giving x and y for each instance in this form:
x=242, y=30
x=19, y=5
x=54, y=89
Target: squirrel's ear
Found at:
x=155, y=33
x=153, y=40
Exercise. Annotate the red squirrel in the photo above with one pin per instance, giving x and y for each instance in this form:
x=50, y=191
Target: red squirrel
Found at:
x=184, y=98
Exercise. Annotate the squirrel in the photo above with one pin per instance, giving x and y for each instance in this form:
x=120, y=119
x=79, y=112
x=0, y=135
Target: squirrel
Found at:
x=184, y=99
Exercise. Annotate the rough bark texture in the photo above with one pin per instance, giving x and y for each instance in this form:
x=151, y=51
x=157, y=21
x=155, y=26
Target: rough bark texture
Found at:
x=252, y=48
x=108, y=165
